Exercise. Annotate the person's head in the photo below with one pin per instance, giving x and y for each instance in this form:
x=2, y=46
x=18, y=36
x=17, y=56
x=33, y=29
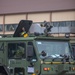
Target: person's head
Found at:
x=23, y=28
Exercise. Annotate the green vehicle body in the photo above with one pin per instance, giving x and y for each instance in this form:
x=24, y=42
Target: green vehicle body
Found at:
x=36, y=55
x=72, y=41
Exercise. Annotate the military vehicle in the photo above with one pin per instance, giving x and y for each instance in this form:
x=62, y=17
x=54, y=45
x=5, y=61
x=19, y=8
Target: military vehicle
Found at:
x=36, y=54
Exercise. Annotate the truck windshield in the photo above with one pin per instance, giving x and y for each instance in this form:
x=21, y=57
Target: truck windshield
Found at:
x=54, y=48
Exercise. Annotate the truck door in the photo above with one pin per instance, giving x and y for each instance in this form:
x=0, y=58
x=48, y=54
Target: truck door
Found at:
x=17, y=57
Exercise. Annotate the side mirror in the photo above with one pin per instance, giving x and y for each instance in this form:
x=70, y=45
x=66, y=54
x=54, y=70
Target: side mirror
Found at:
x=29, y=52
x=43, y=53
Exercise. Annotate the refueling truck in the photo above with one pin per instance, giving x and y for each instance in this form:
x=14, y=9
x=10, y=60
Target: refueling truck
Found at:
x=36, y=54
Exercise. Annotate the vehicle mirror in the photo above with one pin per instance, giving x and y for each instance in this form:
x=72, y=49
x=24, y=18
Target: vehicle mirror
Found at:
x=43, y=53
x=29, y=52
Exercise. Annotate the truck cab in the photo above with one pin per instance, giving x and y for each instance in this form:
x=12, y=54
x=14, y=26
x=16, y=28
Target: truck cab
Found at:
x=36, y=55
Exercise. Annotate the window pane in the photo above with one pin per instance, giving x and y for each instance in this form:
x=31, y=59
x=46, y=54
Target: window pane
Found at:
x=10, y=27
x=16, y=50
x=73, y=23
x=55, y=24
x=53, y=48
x=62, y=24
x=68, y=23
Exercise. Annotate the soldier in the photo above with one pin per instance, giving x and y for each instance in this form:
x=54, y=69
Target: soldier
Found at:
x=19, y=52
x=23, y=33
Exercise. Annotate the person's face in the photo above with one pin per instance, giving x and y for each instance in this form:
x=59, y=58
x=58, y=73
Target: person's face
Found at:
x=23, y=28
